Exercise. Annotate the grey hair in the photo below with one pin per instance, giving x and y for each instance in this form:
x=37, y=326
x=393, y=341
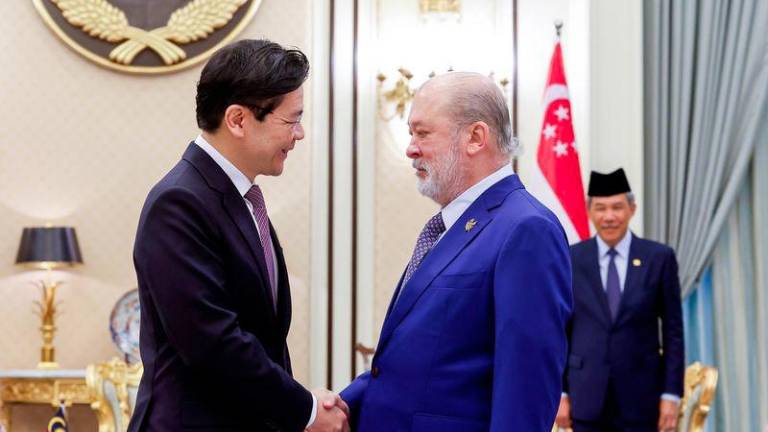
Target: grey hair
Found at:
x=475, y=97
x=630, y=199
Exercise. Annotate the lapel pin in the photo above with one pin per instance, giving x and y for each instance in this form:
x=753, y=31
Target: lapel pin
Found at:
x=636, y=262
x=470, y=224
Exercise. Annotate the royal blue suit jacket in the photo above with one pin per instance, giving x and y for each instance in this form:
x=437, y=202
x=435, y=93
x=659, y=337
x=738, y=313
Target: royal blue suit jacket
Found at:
x=212, y=344
x=628, y=351
x=476, y=341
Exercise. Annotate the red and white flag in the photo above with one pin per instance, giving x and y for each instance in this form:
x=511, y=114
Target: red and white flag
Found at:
x=556, y=179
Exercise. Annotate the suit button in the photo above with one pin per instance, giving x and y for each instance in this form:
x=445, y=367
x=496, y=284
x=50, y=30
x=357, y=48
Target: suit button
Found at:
x=375, y=371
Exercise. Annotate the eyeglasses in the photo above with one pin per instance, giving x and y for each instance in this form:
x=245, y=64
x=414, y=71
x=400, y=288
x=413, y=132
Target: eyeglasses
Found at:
x=295, y=124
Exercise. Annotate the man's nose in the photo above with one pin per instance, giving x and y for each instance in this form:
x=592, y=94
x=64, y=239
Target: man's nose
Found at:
x=298, y=132
x=412, y=151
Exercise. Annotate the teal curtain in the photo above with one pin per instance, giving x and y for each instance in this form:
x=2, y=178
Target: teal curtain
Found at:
x=726, y=316
x=706, y=83
x=698, y=319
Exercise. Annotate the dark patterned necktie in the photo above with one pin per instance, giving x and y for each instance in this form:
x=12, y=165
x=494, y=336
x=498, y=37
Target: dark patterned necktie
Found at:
x=256, y=198
x=612, y=285
x=429, y=235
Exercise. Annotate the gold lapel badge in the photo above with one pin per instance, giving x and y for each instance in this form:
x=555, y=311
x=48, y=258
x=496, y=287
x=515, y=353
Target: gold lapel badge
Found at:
x=636, y=262
x=470, y=224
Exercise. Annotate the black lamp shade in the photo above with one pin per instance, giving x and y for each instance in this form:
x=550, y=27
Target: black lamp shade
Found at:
x=49, y=247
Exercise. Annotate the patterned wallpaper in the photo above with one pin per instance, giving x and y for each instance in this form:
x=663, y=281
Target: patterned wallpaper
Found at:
x=81, y=146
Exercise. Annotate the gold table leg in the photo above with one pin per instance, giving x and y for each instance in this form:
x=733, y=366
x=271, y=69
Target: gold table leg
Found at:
x=5, y=416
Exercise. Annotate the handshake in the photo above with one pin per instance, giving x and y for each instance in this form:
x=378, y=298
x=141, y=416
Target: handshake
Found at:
x=332, y=413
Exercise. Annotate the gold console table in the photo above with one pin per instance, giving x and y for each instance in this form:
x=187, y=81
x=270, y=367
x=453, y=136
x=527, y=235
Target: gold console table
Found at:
x=36, y=386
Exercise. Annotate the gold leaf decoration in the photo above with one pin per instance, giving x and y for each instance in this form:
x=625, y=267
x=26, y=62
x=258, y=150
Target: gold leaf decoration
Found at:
x=200, y=18
x=98, y=18
x=192, y=22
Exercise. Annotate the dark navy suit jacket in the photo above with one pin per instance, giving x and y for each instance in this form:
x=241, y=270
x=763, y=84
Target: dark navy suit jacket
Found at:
x=476, y=342
x=213, y=346
x=627, y=352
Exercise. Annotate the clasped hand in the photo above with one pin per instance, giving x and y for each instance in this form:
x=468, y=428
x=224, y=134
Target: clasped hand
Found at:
x=332, y=413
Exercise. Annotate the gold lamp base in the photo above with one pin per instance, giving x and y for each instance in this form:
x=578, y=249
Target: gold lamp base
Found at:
x=48, y=328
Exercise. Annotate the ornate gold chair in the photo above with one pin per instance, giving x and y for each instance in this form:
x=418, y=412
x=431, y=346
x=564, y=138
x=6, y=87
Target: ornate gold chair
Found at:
x=700, y=384
x=113, y=386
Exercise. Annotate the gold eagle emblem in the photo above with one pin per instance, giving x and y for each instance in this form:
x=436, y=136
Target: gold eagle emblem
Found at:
x=192, y=22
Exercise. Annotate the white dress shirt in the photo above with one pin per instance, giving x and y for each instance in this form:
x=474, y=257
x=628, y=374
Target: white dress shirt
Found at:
x=621, y=259
x=243, y=184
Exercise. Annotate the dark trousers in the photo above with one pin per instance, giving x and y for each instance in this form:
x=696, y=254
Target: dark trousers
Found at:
x=611, y=419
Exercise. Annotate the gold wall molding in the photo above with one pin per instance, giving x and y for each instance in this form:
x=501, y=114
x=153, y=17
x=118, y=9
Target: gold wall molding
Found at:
x=113, y=42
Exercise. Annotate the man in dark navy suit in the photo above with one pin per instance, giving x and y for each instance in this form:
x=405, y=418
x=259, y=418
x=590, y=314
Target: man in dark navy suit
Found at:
x=215, y=300
x=626, y=362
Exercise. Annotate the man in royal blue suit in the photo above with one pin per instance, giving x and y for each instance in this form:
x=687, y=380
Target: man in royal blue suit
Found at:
x=474, y=339
x=215, y=300
x=626, y=362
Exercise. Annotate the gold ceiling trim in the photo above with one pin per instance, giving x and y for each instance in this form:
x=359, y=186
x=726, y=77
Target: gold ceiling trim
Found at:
x=146, y=70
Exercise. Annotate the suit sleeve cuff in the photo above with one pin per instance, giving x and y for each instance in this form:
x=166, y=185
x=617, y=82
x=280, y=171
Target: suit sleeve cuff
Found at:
x=313, y=414
x=671, y=397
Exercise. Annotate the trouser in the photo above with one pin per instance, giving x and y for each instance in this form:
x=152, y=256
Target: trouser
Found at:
x=611, y=419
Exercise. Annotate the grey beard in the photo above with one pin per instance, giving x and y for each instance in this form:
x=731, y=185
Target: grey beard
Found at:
x=443, y=179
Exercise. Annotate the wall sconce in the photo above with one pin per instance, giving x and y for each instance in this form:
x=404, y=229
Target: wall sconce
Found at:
x=48, y=248
x=401, y=94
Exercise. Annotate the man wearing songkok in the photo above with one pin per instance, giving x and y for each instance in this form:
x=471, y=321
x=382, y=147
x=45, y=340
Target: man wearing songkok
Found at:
x=626, y=360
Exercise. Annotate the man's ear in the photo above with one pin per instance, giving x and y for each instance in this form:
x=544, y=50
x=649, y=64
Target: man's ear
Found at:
x=479, y=134
x=234, y=120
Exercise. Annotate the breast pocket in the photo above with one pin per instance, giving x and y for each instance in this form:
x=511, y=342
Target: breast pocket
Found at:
x=460, y=281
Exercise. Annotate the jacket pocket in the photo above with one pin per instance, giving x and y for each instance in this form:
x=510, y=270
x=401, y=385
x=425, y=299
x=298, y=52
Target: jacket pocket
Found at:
x=438, y=423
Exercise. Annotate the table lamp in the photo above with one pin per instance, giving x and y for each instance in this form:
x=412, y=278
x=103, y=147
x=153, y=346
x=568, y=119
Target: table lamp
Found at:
x=48, y=248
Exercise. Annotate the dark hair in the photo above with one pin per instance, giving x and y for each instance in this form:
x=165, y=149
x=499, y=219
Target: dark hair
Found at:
x=256, y=73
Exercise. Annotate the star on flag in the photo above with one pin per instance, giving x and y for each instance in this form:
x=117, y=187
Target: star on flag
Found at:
x=549, y=131
x=562, y=113
x=561, y=148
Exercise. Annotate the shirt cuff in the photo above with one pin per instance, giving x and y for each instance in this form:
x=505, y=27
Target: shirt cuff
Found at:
x=563, y=394
x=671, y=397
x=314, y=412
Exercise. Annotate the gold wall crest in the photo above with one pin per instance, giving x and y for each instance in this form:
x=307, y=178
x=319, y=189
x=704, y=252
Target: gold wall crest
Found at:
x=146, y=36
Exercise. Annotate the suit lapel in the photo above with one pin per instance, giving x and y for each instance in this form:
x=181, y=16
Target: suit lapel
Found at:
x=234, y=206
x=591, y=267
x=238, y=211
x=453, y=242
x=635, y=275
x=283, y=285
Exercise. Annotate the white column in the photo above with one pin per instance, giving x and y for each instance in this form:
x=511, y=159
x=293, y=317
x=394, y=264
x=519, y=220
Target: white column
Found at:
x=318, y=343
x=342, y=65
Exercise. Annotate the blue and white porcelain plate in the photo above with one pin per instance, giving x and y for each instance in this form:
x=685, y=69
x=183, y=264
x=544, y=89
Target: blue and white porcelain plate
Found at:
x=124, y=325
